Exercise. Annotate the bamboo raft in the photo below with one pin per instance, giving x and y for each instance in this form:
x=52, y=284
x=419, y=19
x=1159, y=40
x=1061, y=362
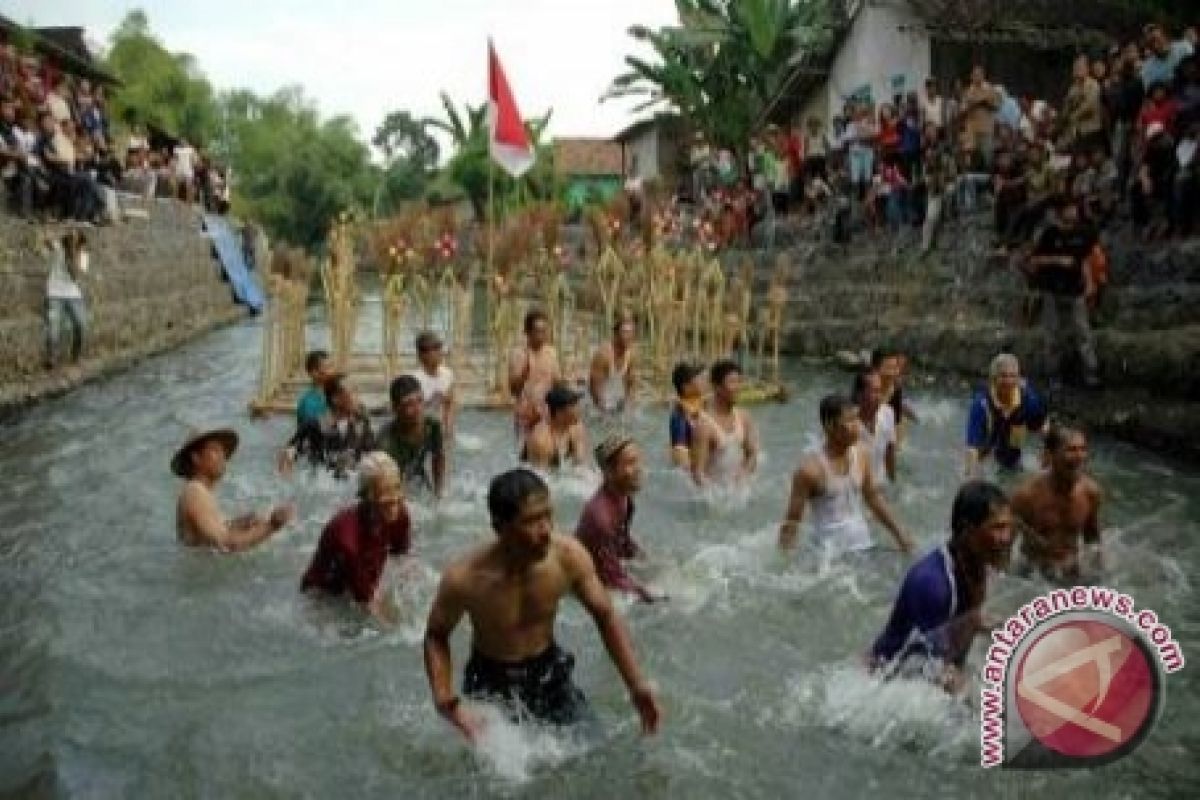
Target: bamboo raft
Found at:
x=685, y=304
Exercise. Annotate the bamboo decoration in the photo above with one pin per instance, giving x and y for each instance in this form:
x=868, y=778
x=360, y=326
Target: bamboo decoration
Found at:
x=707, y=334
x=609, y=273
x=339, y=279
x=283, y=323
x=658, y=317
x=459, y=339
x=503, y=331
x=738, y=298
x=684, y=303
x=394, y=305
x=777, y=297
x=269, y=368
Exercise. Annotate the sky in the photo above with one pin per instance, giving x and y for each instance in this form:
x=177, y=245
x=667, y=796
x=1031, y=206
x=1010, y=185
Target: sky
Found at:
x=366, y=58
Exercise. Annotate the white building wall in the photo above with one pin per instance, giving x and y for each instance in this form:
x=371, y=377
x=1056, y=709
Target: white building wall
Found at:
x=643, y=147
x=876, y=53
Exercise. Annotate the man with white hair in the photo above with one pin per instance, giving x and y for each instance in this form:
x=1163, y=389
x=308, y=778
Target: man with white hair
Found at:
x=356, y=543
x=1001, y=415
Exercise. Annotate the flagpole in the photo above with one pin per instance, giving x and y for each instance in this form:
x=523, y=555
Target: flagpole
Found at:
x=491, y=272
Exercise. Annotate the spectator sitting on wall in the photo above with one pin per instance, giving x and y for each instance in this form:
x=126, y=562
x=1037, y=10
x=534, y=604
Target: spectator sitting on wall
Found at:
x=15, y=169
x=56, y=103
x=183, y=170
x=74, y=194
x=138, y=176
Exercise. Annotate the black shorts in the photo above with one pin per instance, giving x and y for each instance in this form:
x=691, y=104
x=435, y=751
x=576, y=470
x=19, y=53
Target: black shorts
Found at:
x=538, y=687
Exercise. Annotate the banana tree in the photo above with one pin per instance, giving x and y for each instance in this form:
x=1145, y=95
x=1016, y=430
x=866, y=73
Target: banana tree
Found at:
x=724, y=61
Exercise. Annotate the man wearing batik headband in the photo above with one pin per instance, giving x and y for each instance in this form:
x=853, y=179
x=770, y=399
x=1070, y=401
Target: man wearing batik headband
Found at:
x=604, y=524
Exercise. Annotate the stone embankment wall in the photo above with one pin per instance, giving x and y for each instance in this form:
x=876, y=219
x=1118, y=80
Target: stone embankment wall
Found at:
x=151, y=284
x=953, y=310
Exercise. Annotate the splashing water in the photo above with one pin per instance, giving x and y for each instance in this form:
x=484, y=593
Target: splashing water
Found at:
x=144, y=670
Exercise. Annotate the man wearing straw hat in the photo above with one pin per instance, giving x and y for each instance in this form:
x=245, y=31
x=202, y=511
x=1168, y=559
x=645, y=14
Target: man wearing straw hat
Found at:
x=198, y=520
x=604, y=524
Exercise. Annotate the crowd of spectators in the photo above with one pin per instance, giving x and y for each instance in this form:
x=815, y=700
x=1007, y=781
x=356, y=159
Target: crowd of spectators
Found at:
x=1117, y=150
x=60, y=159
x=1121, y=143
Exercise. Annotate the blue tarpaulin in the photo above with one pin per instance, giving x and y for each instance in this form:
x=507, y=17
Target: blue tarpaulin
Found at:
x=228, y=244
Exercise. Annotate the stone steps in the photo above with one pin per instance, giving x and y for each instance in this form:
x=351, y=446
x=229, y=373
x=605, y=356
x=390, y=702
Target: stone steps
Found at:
x=151, y=283
x=1169, y=363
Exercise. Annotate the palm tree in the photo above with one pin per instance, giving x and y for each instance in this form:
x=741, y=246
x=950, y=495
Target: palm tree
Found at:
x=469, y=170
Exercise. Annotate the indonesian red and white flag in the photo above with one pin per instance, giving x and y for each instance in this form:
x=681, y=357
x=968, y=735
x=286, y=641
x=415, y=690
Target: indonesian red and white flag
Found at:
x=508, y=142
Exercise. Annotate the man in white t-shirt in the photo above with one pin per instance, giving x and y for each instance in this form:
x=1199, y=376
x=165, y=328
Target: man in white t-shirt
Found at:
x=933, y=106
x=436, y=379
x=877, y=431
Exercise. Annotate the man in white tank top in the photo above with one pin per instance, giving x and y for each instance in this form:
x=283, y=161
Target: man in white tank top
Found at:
x=611, y=379
x=836, y=480
x=436, y=379
x=877, y=424
x=726, y=444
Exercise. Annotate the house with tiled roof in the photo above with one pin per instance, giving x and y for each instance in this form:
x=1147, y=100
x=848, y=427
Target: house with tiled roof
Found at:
x=587, y=170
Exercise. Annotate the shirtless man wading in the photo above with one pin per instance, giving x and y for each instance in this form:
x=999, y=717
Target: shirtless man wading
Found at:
x=612, y=378
x=198, y=519
x=532, y=370
x=510, y=589
x=1058, y=507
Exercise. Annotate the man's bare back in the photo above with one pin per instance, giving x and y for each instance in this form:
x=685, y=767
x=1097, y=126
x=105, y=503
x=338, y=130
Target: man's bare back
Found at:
x=1053, y=521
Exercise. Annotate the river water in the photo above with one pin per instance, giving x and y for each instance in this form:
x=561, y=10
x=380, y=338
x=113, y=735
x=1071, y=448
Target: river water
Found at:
x=131, y=667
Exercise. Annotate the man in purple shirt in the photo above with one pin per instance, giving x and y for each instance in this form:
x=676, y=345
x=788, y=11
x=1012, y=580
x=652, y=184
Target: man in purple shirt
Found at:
x=603, y=527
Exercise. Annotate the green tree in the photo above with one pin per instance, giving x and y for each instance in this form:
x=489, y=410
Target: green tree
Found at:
x=724, y=61
x=470, y=170
x=293, y=172
x=410, y=160
x=159, y=88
